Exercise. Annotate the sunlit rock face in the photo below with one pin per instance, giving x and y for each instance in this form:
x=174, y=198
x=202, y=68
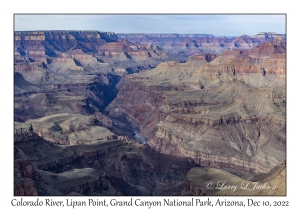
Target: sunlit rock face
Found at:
x=228, y=112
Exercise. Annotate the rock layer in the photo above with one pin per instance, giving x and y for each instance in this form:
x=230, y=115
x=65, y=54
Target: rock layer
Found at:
x=211, y=181
x=109, y=167
x=228, y=113
x=73, y=136
x=200, y=43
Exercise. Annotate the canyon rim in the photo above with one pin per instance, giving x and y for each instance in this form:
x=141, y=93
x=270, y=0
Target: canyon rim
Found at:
x=114, y=113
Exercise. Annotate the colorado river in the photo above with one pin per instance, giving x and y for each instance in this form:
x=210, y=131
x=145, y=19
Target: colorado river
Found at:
x=138, y=136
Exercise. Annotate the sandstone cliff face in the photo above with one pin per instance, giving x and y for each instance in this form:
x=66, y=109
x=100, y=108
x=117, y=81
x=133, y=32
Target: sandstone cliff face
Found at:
x=74, y=50
x=228, y=113
x=61, y=40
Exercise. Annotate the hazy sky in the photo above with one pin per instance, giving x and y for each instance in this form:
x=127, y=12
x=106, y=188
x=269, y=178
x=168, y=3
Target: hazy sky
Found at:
x=209, y=24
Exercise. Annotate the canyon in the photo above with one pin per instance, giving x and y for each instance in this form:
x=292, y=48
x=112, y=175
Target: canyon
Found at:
x=191, y=44
x=99, y=113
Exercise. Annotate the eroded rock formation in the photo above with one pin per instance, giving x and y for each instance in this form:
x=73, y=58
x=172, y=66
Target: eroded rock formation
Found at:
x=229, y=113
x=191, y=44
x=79, y=115
x=108, y=167
x=212, y=181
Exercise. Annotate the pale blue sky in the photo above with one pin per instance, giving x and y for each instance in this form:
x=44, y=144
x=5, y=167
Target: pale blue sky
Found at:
x=231, y=25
